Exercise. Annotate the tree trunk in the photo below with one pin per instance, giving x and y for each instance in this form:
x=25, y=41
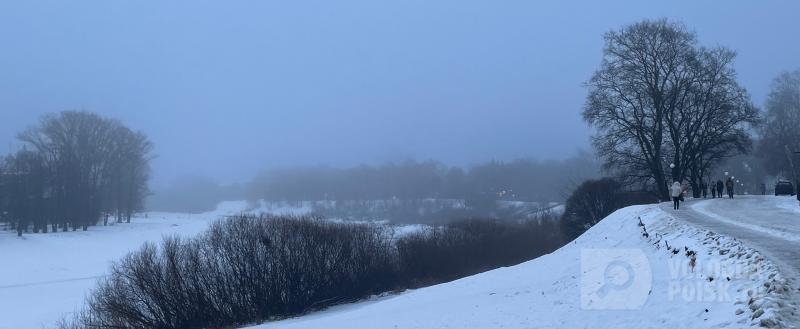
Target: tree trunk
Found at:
x=661, y=185
x=695, y=188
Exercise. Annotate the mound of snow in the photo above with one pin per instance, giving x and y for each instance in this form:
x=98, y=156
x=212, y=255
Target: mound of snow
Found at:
x=621, y=274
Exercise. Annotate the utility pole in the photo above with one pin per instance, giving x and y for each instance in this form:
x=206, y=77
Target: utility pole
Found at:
x=796, y=180
x=790, y=156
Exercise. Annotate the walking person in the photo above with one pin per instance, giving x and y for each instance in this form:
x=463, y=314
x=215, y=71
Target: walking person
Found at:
x=719, y=188
x=675, y=192
x=729, y=187
x=704, y=189
x=713, y=190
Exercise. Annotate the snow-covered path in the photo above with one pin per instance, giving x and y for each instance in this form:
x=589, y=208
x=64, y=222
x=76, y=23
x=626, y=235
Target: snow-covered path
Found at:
x=768, y=224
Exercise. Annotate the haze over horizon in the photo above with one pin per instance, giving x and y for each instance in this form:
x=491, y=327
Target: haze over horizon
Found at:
x=226, y=89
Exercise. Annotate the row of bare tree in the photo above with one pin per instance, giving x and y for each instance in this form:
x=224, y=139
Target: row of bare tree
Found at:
x=665, y=107
x=781, y=129
x=522, y=179
x=74, y=169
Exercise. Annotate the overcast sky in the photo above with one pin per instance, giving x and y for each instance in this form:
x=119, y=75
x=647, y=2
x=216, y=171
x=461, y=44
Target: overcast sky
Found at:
x=224, y=88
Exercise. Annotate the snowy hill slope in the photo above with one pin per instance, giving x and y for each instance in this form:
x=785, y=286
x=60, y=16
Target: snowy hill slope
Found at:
x=614, y=275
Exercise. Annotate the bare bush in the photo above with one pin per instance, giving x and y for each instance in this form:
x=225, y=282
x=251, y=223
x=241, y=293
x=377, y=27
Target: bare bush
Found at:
x=463, y=248
x=244, y=269
x=247, y=269
x=596, y=199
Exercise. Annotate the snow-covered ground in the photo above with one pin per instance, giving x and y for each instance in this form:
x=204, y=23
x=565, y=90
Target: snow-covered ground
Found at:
x=768, y=224
x=45, y=276
x=613, y=276
x=746, y=212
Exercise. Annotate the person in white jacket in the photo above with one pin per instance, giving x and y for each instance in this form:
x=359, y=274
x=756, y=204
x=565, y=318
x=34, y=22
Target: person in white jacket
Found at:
x=675, y=192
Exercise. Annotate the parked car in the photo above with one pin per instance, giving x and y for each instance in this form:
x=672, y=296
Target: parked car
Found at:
x=784, y=188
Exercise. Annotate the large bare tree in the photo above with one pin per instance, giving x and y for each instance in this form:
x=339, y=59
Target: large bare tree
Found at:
x=664, y=107
x=643, y=77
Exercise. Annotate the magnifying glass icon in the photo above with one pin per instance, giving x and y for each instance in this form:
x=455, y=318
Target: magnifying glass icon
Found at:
x=611, y=276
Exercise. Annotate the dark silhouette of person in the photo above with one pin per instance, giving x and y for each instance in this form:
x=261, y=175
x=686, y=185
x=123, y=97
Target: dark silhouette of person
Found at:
x=713, y=190
x=704, y=189
x=729, y=187
x=719, y=188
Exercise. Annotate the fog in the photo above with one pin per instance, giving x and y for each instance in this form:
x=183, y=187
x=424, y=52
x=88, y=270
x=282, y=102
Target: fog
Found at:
x=474, y=163
x=227, y=89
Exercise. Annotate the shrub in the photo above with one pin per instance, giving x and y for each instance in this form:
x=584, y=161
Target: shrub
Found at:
x=464, y=248
x=244, y=269
x=247, y=269
x=592, y=201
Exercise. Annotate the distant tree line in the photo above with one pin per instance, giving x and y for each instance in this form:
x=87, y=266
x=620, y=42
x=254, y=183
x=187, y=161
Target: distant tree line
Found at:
x=74, y=170
x=193, y=194
x=527, y=180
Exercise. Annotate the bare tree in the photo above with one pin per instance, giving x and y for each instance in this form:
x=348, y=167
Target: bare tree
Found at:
x=714, y=121
x=25, y=184
x=660, y=100
x=781, y=124
x=92, y=166
x=643, y=78
x=132, y=172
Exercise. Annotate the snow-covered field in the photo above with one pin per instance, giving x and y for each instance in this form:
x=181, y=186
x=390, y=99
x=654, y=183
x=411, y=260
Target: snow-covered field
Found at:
x=45, y=276
x=611, y=277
